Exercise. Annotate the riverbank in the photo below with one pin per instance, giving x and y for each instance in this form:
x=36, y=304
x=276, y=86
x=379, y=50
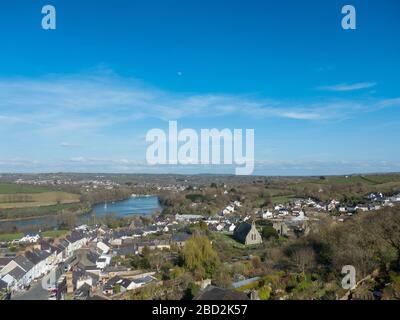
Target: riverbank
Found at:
x=138, y=205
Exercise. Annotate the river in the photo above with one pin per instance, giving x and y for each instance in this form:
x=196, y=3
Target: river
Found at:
x=140, y=205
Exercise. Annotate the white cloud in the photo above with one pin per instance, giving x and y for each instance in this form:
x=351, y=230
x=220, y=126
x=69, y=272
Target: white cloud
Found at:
x=348, y=87
x=91, y=102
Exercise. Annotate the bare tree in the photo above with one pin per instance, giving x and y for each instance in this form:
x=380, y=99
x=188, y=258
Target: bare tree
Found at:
x=303, y=258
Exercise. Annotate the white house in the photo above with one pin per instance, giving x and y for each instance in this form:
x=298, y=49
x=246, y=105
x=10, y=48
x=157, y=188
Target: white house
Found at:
x=103, y=247
x=103, y=261
x=267, y=215
x=29, y=238
x=18, y=273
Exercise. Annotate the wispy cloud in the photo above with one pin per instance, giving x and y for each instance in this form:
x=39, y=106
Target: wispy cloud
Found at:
x=91, y=102
x=69, y=145
x=348, y=87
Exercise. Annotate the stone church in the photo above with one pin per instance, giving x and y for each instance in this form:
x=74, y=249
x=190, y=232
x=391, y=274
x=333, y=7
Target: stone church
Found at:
x=247, y=233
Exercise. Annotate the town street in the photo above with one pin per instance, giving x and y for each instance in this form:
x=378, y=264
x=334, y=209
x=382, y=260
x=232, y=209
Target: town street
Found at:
x=37, y=292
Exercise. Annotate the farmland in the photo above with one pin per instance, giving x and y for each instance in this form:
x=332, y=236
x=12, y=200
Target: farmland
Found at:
x=13, y=188
x=36, y=199
x=21, y=201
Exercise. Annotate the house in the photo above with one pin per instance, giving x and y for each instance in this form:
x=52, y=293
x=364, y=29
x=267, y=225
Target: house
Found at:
x=396, y=198
x=267, y=215
x=103, y=261
x=18, y=273
x=150, y=230
x=351, y=210
x=139, y=282
x=188, y=217
x=4, y=262
x=342, y=209
x=125, y=285
x=215, y=293
x=15, y=279
x=237, y=204
x=83, y=293
x=363, y=208
x=180, y=239
x=3, y=286
x=247, y=234
x=231, y=228
x=30, y=238
x=229, y=209
x=40, y=260
x=77, y=240
x=103, y=247
x=86, y=278
x=108, y=288
x=125, y=250
x=281, y=228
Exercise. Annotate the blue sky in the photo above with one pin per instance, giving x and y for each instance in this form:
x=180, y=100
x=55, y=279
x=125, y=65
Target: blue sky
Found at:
x=321, y=100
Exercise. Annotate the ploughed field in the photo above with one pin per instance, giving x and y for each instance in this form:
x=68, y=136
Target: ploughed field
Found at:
x=32, y=200
x=28, y=200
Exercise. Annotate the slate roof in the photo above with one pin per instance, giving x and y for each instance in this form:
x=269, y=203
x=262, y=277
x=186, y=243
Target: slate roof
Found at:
x=215, y=293
x=126, y=250
x=83, y=292
x=17, y=273
x=125, y=283
x=180, y=237
x=36, y=256
x=111, y=283
x=64, y=242
x=3, y=285
x=146, y=279
x=75, y=236
x=24, y=263
x=92, y=257
x=241, y=231
x=4, y=261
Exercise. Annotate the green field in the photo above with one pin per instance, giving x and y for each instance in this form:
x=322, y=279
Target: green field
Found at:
x=38, y=211
x=10, y=188
x=282, y=199
x=11, y=201
x=6, y=237
x=10, y=237
x=54, y=233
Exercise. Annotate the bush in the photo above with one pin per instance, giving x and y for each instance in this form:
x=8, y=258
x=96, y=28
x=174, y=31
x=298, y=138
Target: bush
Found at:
x=265, y=292
x=269, y=232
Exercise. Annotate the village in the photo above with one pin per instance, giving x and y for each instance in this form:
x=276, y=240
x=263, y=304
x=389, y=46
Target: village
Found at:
x=88, y=263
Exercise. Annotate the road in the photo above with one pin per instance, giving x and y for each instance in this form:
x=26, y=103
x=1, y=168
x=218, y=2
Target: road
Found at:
x=37, y=292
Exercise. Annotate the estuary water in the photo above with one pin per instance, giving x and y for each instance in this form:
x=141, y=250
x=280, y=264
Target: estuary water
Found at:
x=139, y=205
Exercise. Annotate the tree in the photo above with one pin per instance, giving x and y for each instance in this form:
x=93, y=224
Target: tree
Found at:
x=199, y=256
x=269, y=232
x=388, y=229
x=222, y=277
x=264, y=293
x=191, y=291
x=256, y=262
x=303, y=258
x=156, y=260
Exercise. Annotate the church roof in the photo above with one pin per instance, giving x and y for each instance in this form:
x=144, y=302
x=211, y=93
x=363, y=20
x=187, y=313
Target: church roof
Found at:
x=241, y=231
